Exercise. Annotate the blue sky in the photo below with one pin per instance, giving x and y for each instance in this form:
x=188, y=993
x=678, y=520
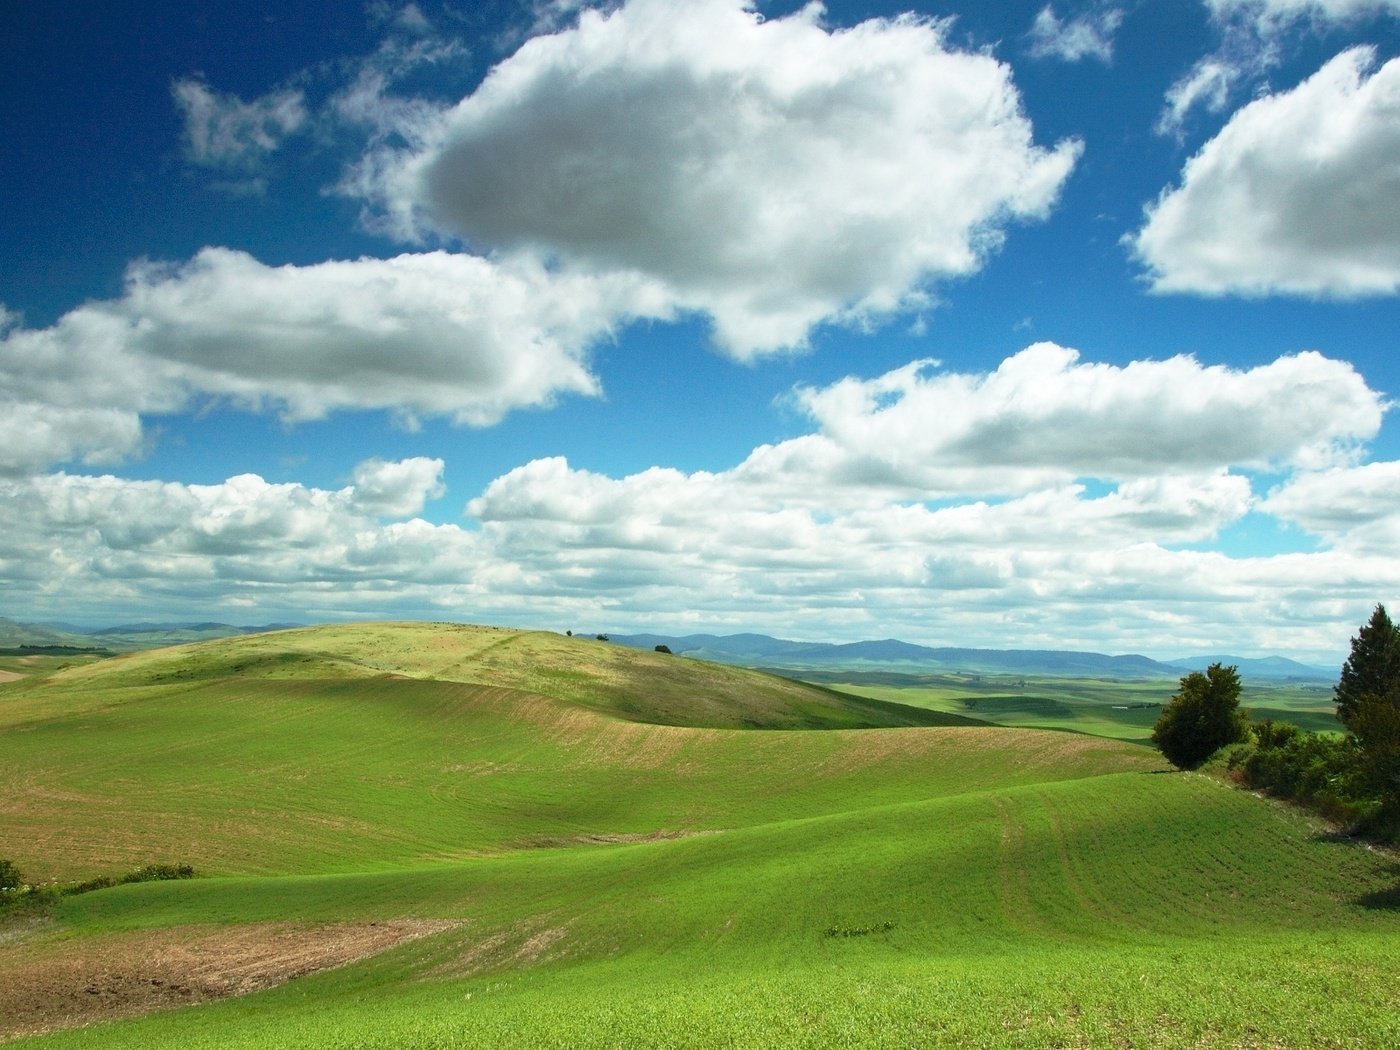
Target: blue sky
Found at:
x=1013, y=325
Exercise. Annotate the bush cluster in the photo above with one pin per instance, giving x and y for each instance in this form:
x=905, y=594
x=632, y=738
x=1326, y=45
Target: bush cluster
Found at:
x=10, y=878
x=1353, y=779
x=14, y=890
x=1321, y=771
x=149, y=873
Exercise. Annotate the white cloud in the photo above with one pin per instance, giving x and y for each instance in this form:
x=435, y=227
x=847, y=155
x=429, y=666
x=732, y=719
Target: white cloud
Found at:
x=861, y=522
x=1298, y=194
x=773, y=174
x=674, y=551
x=1034, y=425
x=397, y=489
x=429, y=334
x=1253, y=36
x=245, y=541
x=1355, y=507
x=550, y=16
x=367, y=99
x=1272, y=16
x=1090, y=35
x=34, y=436
x=1169, y=430
x=712, y=518
x=1045, y=416
x=222, y=130
x=1209, y=84
x=409, y=18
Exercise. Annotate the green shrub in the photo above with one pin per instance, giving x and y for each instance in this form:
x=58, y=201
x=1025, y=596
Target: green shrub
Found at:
x=1271, y=734
x=160, y=872
x=1302, y=766
x=148, y=873
x=1324, y=772
x=10, y=878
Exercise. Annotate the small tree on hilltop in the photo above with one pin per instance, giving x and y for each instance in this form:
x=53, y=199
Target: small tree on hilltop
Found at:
x=1372, y=671
x=1202, y=717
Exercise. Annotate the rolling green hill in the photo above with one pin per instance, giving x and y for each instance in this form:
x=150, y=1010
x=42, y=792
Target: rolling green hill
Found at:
x=598, y=853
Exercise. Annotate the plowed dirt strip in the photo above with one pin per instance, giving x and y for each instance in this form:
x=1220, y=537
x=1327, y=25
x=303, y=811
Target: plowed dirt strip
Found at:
x=68, y=983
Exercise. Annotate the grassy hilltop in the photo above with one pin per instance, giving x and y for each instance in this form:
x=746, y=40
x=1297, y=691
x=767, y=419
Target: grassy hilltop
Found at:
x=519, y=839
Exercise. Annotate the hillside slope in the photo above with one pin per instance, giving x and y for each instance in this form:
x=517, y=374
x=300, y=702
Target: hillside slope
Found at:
x=315, y=750
x=638, y=686
x=581, y=878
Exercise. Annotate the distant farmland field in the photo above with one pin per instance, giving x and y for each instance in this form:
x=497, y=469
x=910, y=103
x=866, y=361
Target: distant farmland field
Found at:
x=1124, y=709
x=428, y=835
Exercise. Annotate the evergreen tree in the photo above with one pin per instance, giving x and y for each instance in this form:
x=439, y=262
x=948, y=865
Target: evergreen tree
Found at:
x=1202, y=717
x=1375, y=722
x=1373, y=668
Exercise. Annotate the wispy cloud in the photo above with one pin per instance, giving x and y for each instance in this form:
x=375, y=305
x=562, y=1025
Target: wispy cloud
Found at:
x=1087, y=35
x=224, y=131
x=1252, y=37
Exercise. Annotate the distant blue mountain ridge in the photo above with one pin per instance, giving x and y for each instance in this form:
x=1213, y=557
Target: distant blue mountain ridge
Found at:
x=124, y=637
x=758, y=650
x=749, y=650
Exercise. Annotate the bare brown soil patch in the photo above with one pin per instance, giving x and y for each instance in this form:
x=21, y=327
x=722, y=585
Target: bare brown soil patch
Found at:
x=10, y=676
x=53, y=983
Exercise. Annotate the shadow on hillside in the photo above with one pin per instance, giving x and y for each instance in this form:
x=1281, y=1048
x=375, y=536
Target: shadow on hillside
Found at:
x=1387, y=899
x=1382, y=900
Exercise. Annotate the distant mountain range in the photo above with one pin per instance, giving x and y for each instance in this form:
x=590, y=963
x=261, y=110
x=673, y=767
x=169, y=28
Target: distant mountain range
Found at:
x=742, y=650
x=124, y=638
x=757, y=650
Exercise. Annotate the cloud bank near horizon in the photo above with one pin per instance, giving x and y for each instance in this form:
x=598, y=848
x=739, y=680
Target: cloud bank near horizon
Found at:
x=905, y=505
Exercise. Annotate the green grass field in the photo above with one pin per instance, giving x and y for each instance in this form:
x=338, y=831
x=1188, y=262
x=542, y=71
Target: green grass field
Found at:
x=607, y=857
x=1122, y=709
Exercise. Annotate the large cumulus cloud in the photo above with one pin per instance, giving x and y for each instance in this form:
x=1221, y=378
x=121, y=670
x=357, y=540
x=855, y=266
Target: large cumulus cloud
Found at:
x=773, y=174
x=657, y=159
x=419, y=334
